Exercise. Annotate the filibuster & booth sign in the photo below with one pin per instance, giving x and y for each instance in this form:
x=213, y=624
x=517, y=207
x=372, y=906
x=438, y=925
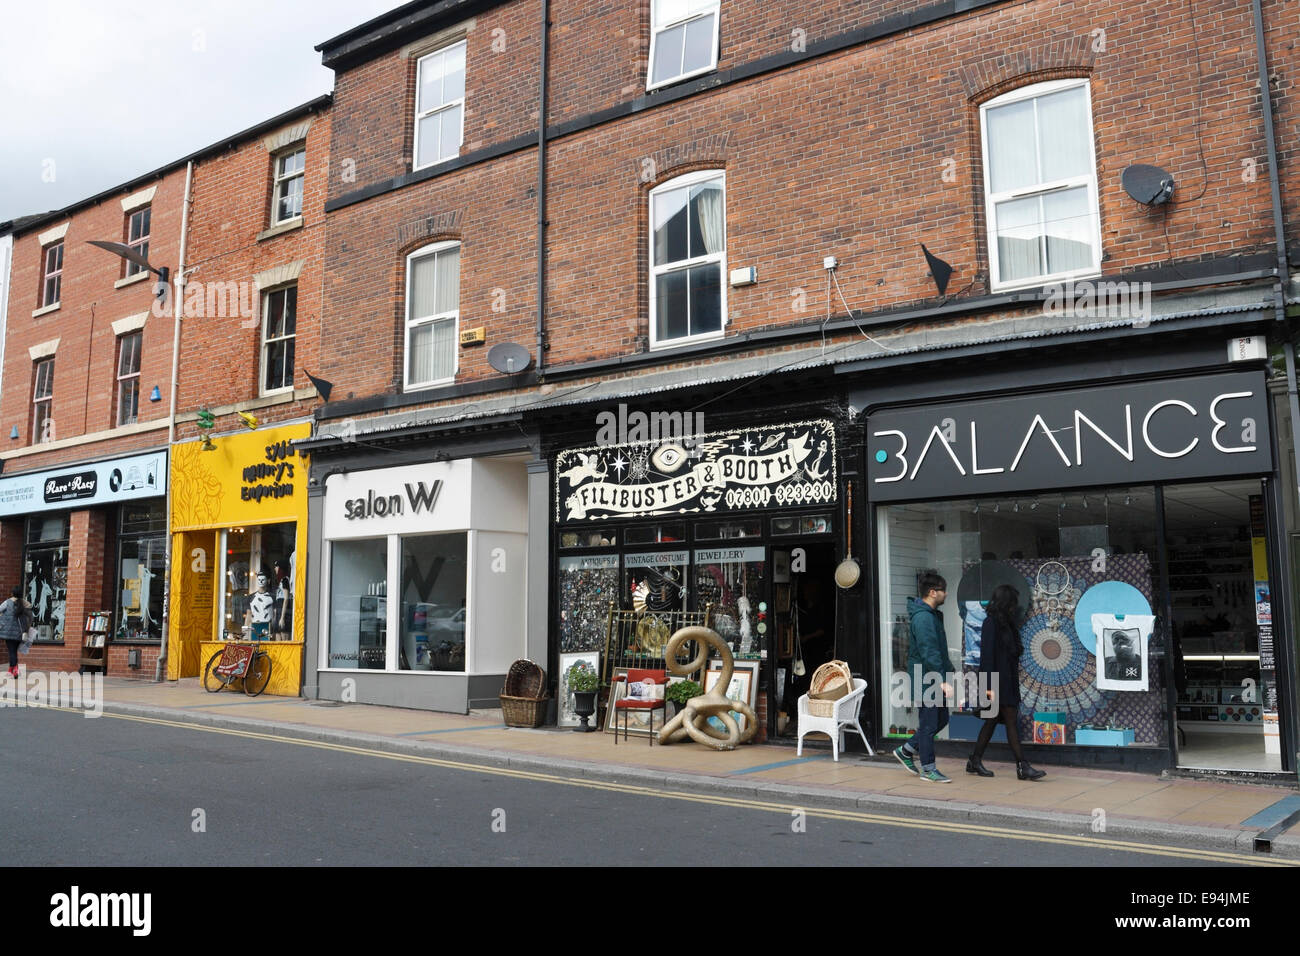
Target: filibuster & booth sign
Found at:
x=734, y=470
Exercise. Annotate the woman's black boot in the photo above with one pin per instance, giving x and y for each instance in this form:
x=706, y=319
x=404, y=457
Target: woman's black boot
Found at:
x=976, y=765
x=1026, y=772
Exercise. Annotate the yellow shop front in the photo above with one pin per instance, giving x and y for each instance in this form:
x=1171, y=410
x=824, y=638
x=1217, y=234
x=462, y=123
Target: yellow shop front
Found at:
x=239, y=547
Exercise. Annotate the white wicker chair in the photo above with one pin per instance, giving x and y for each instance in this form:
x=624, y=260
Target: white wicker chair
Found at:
x=846, y=715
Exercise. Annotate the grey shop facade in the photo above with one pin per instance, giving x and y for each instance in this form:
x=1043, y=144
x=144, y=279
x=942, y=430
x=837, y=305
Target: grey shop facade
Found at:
x=1139, y=503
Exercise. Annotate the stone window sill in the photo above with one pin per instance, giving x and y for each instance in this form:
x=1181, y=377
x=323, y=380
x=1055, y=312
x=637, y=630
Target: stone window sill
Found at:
x=289, y=225
x=130, y=280
x=46, y=310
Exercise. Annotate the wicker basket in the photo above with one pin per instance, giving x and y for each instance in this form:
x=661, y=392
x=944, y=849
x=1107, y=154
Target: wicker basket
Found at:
x=830, y=682
x=523, y=698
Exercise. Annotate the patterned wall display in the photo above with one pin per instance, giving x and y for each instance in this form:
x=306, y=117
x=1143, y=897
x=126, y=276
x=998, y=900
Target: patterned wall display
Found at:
x=1057, y=672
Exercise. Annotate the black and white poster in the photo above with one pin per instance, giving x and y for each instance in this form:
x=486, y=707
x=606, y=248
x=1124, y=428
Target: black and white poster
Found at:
x=1122, y=650
x=714, y=472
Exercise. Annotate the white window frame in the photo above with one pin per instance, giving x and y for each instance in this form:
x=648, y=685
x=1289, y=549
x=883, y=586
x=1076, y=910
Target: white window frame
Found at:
x=650, y=84
x=39, y=400
x=1089, y=180
x=267, y=296
x=56, y=249
x=680, y=182
x=282, y=182
x=411, y=323
x=421, y=114
x=123, y=378
x=140, y=244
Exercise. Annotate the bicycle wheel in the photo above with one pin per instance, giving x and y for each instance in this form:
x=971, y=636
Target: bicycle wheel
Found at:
x=259, y=674
x=212, y=681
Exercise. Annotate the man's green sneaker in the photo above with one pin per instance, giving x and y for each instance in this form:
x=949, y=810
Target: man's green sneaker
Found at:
x=934, y=776
x=906, y=761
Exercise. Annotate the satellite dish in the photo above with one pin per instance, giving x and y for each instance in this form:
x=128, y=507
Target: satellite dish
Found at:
x=509, y=357
x=1149, y=185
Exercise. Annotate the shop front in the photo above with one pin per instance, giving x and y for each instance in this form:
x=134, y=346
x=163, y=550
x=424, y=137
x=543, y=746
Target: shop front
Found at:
x=742, y=527
x=85, y=543
x=239, y=533
x=422, y=582
x=1139, y=525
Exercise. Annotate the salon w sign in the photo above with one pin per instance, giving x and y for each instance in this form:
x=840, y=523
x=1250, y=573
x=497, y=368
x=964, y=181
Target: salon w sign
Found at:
x=736, y=470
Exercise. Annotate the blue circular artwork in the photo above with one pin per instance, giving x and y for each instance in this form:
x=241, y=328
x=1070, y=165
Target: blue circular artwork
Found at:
x=1052, y=656
x=1108, y=597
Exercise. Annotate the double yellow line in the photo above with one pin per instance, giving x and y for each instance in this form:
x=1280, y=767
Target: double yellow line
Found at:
x=720, y=800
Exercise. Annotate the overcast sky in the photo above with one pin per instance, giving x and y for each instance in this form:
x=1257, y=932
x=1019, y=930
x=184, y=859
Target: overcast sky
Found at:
x=96, y=92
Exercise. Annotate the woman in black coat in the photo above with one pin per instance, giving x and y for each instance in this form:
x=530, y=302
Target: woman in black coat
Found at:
x=1000, y=652
x=15, y=619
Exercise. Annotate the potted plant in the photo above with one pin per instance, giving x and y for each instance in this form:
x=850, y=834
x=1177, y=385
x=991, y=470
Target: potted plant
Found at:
x=679, y=693
x=583, y=683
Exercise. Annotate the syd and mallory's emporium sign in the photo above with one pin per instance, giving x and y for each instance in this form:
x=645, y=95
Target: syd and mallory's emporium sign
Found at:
x=734, y=470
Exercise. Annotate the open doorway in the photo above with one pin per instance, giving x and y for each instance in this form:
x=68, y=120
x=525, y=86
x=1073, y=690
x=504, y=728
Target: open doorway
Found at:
x=1220, y=596
x=805, y=603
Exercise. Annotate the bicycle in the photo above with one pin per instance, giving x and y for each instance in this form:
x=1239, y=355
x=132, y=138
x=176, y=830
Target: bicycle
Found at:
x=238, y=662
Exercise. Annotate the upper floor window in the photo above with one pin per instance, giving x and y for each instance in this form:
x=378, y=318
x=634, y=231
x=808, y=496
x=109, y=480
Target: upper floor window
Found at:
x=279, y=331
x=683, y=40
x=52, y=275
x=432, y=314
x=137, y=238
x=128, y=378
x=289, y=176
x=439, y=105
x=43, y=401
x=688, y=258
x=1040, y=181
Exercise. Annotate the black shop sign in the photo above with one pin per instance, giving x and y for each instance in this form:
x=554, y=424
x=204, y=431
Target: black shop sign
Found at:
x=716, y=472
x=1203, y=427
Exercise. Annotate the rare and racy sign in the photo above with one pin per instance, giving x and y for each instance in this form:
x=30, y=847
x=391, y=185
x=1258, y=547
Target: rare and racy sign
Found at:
x=1176, y=430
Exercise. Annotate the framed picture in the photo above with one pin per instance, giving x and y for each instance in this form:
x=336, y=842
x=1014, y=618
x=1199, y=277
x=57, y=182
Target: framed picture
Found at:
x=743, y=687
x=567, y=718
x=638, y=721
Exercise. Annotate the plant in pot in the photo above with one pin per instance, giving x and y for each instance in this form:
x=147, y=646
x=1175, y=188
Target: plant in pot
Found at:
x=583, y=682
x=679, y=693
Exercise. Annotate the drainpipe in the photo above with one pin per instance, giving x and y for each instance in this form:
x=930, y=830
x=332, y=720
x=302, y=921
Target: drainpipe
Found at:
x=541, y=190
x=160, y=669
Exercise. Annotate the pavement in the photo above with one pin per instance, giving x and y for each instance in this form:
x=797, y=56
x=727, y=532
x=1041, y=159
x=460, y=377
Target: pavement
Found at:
x=1207, y=814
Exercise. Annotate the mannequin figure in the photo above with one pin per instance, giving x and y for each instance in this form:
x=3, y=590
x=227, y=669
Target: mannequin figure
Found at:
x=257, y=620
x=282, y=609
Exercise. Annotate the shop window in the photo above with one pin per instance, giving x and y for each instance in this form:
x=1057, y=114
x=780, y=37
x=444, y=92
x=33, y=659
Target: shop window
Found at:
x=290, y=174
x=439, y=105
x=683, y=40
x=432, y=315
x=588, y=589
x=1040, y=180
x=588, y=539
x=710, y=530
x=258, y=574
x=128, y=378
x=52, y=275
x=279, y=333
x=656, y=581
x=733, y=581
x=1069, y=556
x=433, y=610
x=43, y=401
x=655, y=534
x=358, y=624
x=45, y=573
x=688, y=258
x=804, y=524
x=141, y=553
x=137, y=238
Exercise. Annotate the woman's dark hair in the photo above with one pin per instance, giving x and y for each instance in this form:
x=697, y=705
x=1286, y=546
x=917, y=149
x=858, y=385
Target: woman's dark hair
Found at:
x=1005, y=607
x=16, y=593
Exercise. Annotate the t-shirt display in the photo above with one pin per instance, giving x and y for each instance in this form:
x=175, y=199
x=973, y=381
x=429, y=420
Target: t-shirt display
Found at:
x=1122, y=650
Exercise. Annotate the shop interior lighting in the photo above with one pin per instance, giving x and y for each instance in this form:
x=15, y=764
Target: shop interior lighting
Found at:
x=1016, y=507
x=976, y=509
x=1085, y=502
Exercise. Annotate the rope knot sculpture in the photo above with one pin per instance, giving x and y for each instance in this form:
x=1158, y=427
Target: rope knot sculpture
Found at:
x=693, y=721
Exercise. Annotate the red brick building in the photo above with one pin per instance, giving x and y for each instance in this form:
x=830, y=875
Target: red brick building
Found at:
x=724, y=206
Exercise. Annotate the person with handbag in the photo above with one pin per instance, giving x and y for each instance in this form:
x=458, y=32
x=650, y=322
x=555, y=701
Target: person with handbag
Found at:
x=1000, y=653
x=15, y=619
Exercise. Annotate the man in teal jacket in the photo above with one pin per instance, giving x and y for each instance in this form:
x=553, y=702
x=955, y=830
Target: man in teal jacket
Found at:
x=928, y=665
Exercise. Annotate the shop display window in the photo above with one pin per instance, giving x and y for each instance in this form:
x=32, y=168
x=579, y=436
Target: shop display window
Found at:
x=733, y=581
x=141, y=564
x=358, y=625
x=588, y=539
x=45, y=573
x=656, y=581
x=804, y=524
x=654, y=534
x=433, y=611
x=718, y=530
x=588, y=588
x=1075, y=559
x=258, y=575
